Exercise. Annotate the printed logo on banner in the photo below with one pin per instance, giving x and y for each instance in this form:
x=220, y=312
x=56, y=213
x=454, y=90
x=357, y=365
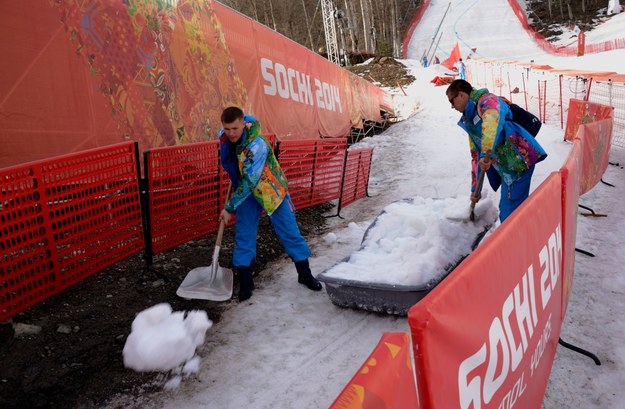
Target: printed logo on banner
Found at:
x=481, y=375
x=297, y=86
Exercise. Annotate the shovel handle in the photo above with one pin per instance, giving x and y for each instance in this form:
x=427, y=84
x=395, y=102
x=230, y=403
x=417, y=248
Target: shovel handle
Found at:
x=480, y=183
x=222, y=223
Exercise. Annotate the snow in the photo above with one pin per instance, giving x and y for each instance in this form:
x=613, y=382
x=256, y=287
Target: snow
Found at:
x=161, y=339
x=292, y=348
x=413, y=241
x=491, y=27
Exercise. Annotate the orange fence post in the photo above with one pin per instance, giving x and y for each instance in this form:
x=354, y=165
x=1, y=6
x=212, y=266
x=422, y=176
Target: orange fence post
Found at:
x=581, y=43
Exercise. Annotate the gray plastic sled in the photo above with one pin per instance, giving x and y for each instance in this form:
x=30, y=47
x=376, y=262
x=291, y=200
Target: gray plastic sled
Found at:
x=381, y=297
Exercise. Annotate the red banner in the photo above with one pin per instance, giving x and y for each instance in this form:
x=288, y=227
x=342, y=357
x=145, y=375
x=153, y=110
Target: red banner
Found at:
x=583, y=112
x=487, y=335
x=597, y=137
x=385, y=380
x=160, y=73
x=290, y=87
x=571, y=176
x=453, y=58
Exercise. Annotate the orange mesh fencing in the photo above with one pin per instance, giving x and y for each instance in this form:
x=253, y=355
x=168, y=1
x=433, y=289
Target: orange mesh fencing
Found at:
x=186, y=186
x=186, y=190
x=583, y=112
x=356, y=179
x=577, y=48
x=548, y=92
x=64, y=219
x=314, y=169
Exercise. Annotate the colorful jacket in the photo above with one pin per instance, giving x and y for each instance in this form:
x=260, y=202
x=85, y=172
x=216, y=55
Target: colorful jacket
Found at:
x=488, y=121
x=253, y=169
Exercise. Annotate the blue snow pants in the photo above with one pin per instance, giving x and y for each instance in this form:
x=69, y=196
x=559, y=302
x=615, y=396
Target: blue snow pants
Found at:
x=512, y=196
x=284, y=224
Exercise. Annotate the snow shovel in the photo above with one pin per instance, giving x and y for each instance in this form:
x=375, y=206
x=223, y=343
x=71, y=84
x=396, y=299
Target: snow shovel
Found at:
x=212, y=283
x=478, y=187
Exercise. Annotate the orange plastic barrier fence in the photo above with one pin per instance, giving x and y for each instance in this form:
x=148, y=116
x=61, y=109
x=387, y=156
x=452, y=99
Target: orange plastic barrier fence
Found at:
x=64, y=219
x=68, y=217
x=356, y=180
x=548, y=93
x=186, y=186
x=314, y=169
x=570, y=172
x=385, y=379
x=583, y=112
x=186, y=190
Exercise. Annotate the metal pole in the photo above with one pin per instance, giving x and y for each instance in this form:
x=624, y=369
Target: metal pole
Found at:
x=436, y=32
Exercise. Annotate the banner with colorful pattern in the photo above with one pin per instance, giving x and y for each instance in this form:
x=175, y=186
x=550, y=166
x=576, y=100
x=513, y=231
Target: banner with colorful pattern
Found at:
x=84, y=74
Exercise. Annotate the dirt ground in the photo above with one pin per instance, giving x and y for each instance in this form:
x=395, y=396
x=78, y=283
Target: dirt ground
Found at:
x=383, y=71
x=67, y=351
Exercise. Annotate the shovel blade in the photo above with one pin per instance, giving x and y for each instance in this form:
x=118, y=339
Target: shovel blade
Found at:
x=201, y=284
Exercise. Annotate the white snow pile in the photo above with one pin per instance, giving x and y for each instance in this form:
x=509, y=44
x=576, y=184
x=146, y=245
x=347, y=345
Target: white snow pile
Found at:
x=162, y=340
x=415, y=241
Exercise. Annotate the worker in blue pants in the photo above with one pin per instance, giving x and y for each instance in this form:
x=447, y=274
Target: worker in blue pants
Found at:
x=259, y=184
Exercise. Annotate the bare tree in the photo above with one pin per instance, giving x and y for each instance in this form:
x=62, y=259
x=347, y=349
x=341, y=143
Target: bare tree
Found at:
x=366, y=28
x=367, y=25
x=307, y=25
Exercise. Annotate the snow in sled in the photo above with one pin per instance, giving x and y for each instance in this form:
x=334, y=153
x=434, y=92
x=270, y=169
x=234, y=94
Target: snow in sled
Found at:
x=411, y=246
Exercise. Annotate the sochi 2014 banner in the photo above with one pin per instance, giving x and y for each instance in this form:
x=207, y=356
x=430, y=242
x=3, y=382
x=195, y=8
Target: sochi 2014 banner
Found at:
x=79, y=75
x=487, y=335
x=290, y=87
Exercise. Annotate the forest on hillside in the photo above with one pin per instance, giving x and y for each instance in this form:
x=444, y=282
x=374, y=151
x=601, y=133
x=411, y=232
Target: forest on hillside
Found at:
x=366, y=28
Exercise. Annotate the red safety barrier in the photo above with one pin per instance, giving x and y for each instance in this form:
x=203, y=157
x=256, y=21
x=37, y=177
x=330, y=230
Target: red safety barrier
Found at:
x=272, y=139
x=570, y=172
x=579, y=48
x=487, y=335
x=385, y=379
x=582, y=112
x=314, y=169
x=64, y=219
x=356, y=179
x=596, y=152
x=547, y=92
x=416, y=19
x=186, y=190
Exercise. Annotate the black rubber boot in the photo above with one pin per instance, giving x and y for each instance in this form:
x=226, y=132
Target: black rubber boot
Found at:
x=304, y=276
x=246, y=283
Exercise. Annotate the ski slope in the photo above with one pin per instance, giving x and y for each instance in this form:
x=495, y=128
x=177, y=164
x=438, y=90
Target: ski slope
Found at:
x=492, y=28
